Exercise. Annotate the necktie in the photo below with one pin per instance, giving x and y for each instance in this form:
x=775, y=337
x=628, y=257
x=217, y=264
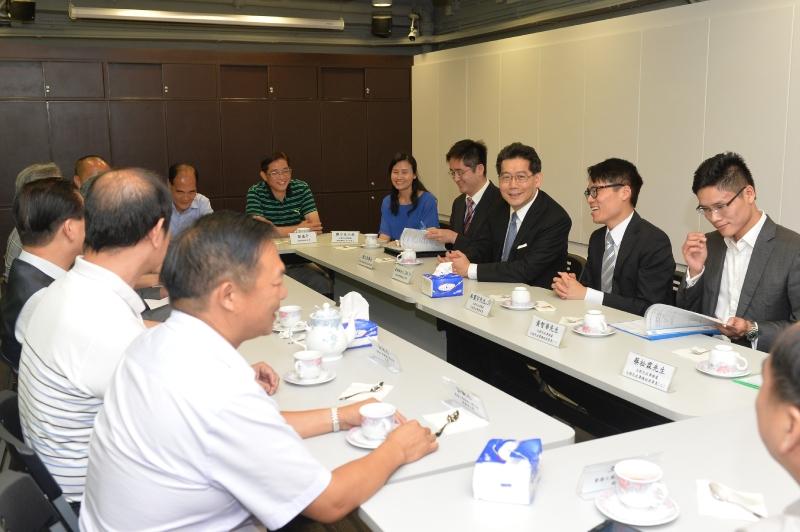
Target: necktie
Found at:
x=511, y=234
x=469, y=214
x=607, y=269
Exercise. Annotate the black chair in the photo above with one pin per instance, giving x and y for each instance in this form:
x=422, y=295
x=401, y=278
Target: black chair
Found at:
x=575, y=264
x=23, y=458
x=23, y=506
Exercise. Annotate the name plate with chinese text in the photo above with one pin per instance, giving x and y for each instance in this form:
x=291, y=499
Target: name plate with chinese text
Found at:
x=309, y=237
x=545, y=331
x=381, y=355
x=402, y=274
x=344, y=237
x=479, y=304
x=366, y=260
x=462, y=398
x=648, y=371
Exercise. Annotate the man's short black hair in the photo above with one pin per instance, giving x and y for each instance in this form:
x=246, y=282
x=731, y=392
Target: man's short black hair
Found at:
x=518, y=150
x=175, y=168
x=42, y=206
x=468, y=151
x=222, y=245
x=123, y=205
x=785, y=365
x=276, y=156
x=617, y=171
x=726, y=171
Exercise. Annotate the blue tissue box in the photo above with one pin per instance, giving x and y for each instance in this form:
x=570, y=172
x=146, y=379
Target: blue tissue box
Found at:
x=507, y=471
x=443, y=285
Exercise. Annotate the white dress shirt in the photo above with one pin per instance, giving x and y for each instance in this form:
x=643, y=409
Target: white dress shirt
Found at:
x=617, y=234
x=43, y=265
x=188, y=440
x=472, y=270
x=478, y=195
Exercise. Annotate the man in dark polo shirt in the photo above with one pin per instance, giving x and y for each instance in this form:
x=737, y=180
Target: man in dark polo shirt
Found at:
x=288, y=204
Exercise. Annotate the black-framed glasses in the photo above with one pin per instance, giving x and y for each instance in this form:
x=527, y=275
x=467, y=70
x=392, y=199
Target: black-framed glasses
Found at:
x=714, y=209
x=459, y=173
x=282, y=171
x=592, y=190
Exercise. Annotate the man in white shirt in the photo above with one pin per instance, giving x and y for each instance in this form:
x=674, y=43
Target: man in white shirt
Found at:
x=187, y=204
x=78, y=329
x=747, y=272
x=188, y=440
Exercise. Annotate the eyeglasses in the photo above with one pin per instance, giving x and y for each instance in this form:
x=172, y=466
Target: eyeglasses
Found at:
x=281, y=172
x=519, y=178
x=458, y=173
x=714, y=209
x=592, y=191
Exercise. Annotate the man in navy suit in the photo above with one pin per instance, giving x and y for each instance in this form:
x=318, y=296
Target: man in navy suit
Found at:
x=49, y=218
x=630, y=264
x=467, y=166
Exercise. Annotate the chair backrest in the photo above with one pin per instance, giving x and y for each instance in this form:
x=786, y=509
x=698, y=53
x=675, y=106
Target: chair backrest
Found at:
x=575, y=264
x=677, y=279
x=23, y=506
x=9, y=413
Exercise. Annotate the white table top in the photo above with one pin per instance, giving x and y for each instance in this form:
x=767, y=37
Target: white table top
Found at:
x=724, y=448
x=418, y=390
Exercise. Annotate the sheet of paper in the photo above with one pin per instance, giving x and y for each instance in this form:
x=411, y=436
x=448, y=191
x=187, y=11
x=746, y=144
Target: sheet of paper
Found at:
x=153, y=304
x=660, y=316
x=415, y=239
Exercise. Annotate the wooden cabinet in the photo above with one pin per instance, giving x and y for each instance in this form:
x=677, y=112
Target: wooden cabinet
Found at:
x=73, y=79
x=293, y=82
x=24, y=131
x=296, y=132
x=387, y=83
x=195, y=82
x=134, y=80
x=138, y=135
x=193, y=135
x=246, y=141
x=242, y=81
x=78, y=129
x=388, y=132
x=344, y=150
x=342, y=83
x=21, y=79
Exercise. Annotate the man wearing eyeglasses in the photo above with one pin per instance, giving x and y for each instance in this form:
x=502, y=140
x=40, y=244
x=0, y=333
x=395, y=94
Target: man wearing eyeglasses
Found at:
x=630, y=264
x=747, y=272
x=467, y=162
x=525, y=237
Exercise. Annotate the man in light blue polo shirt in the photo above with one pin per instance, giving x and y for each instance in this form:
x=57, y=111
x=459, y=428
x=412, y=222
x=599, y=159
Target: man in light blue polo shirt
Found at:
x=187, y=204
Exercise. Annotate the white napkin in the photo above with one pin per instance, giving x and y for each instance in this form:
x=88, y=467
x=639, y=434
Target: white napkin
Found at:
x=153, y=304
x=443, y=268
x=570, y=320
x=352, y=305
x=544, y=306
x=708, y=505
x=361, y=387
x=692, y=354
x=345, y=248
x=385, y=259
x=466, y=421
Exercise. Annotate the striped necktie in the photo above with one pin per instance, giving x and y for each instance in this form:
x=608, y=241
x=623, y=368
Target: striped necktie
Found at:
x=469, y=214
x=511, y=235
x=609, y=259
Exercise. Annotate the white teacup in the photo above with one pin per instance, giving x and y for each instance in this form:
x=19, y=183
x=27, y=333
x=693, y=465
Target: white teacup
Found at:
x=289, y=315
x=308, y=364
x=302, y=230
x=639, y=483
x=371, y=239
x=408, y=256
x=520, y=296
x=724, y=359
x=595, y=321
x=377, y=420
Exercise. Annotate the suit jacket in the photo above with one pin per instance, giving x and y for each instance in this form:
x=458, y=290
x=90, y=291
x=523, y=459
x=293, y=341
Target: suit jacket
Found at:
x=24, y=280
x=771, y=290
x=643, y=270
x=539, y=251
x=490, y=197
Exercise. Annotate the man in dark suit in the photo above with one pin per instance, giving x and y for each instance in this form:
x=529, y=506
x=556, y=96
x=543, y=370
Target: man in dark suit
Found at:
x=747, y=272
x=630, y=264
x=524, y=239
x=49, y=218
x=467, y=162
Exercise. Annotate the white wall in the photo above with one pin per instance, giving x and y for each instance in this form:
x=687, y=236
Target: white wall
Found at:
x=664, y=89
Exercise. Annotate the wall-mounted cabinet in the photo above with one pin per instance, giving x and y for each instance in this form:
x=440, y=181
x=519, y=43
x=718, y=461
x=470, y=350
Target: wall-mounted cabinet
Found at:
x=190, y=81
x=21, y=79
x=135, y=80
x=73, y=79
x=243, y=82
x=293, y=82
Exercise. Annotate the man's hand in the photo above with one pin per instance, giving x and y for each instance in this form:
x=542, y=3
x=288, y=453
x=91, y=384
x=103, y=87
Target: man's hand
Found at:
x=567, y=287
x=314, y=226
x=266, y=377
x=735, y=327
x=695, y=253
x=349, y=416
x=260, y=218
x=413, y=440
x=444, y=236
x=459, y=260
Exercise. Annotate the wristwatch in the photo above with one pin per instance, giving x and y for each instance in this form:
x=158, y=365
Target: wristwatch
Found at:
x=752, y=332
x=335, y=419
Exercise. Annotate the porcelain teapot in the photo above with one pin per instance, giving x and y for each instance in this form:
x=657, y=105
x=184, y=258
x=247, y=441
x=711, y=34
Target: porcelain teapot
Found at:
x=326, y=333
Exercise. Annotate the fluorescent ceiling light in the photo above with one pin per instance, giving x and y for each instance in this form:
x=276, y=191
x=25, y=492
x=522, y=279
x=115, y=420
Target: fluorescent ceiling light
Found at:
x=147, y=15
x=381, y=3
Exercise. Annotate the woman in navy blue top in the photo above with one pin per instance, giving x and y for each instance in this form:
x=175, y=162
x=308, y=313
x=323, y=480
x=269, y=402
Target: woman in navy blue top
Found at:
x=408, y=204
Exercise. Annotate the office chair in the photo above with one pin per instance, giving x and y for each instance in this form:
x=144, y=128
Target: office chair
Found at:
x=23, y=506
x=575, y=264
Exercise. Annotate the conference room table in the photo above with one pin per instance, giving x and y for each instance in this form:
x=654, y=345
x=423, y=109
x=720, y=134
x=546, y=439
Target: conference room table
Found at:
x=418, y=390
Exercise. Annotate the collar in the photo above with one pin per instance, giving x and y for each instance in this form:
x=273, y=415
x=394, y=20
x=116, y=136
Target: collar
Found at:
x=202, y=333
x=749, y=238
x=194, y=205
x=522, y=211
x=98, y=274
x=43, y=265
x=288, y=190
x=619, y=230
x=479, y=194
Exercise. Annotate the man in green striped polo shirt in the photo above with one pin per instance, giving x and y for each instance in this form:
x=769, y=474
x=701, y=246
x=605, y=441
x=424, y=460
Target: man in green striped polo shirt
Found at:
x=286, y=202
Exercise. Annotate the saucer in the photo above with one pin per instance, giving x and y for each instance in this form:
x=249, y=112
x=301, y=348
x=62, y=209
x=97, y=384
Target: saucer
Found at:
x=609, y=505
x=703, y=367
x=298, y=327
x=376, y=246
x=526, y=306
x=356, y=438
x=325, y=376
x=578, y=329
x=415, y=263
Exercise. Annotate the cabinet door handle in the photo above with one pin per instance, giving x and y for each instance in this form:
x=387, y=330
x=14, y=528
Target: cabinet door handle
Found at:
x=372, y=183
x=366, y=91
x=372, y=197
x=271, y=89
x=166, y=89
x=47, y=89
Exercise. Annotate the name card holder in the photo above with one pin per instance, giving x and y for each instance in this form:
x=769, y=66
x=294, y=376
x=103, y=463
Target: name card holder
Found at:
x=344, y=237
x=597, y=478
x=463, y=398
x=479, y=304
x=309, y=237
x=648, y=371
x=547, y=332
x=381, y=355
x=366, y=260
x=402, y=274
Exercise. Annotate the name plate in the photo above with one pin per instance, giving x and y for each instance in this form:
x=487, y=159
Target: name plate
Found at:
x=366, y=260
x=309, y=237
x=344, y=237
x=479, y=304
x=648, y=371
x=402, y=274
x=545, y=331
x=597, y=478
x=381, y=355
x=462, y=398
